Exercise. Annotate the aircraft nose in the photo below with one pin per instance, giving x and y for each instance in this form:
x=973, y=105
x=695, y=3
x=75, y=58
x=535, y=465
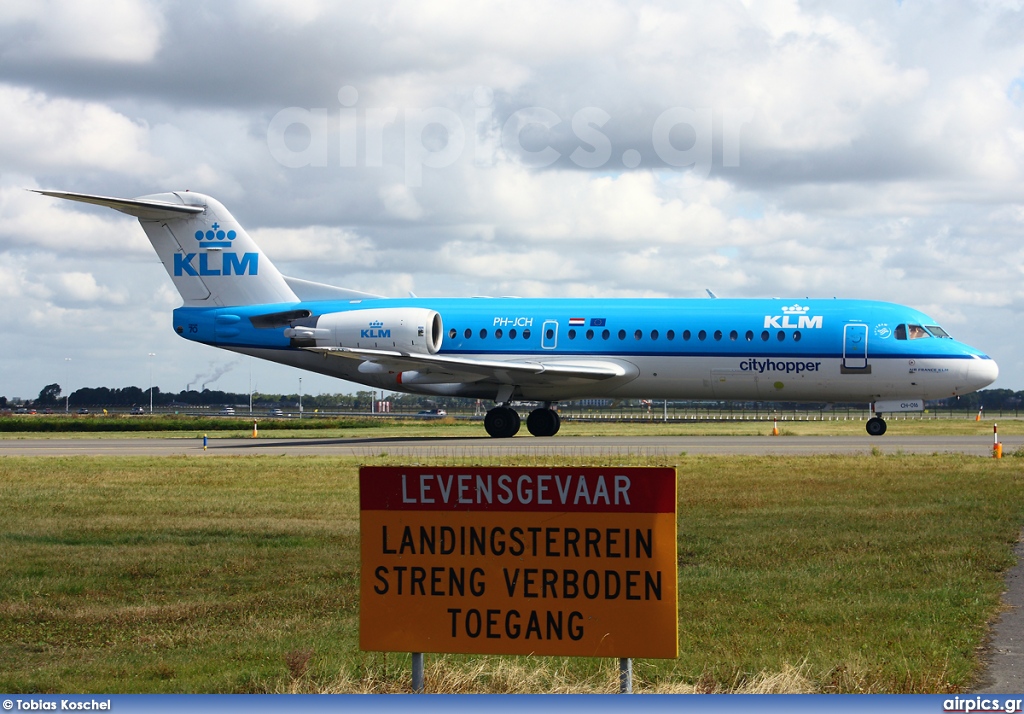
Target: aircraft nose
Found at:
x=982, y=372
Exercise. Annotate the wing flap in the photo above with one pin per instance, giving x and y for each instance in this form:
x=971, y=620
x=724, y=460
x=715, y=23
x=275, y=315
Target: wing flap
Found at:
x=503, y=370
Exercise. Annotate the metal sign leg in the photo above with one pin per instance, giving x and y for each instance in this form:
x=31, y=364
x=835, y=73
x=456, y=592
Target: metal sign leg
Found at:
x=417, y=672
x=626, y=675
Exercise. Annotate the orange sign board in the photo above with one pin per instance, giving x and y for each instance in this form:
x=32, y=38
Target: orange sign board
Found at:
x=511, y=560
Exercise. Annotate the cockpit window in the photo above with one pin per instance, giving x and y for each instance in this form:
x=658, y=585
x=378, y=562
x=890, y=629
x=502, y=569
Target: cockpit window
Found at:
x=916, y=332
x=938, y=331
x=901, y=332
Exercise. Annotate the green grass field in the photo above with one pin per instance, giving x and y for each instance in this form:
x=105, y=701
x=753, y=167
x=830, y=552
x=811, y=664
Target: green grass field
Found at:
x=191, y=574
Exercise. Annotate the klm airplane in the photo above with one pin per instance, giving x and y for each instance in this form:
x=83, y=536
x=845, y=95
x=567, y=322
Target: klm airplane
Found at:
x=546, y=350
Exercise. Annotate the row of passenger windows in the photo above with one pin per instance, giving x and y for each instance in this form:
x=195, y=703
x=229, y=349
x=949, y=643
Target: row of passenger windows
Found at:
x=686, y=335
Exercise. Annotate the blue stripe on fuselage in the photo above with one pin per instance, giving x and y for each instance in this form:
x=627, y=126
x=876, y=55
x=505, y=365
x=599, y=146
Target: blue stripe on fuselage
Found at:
x=635, y=327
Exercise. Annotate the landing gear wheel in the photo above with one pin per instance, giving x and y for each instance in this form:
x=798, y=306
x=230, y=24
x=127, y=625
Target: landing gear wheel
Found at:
x=875, y=426
x=543, y=422
x=502, y=422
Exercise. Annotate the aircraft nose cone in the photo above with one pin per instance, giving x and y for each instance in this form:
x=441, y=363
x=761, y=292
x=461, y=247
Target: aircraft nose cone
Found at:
x=982, y=373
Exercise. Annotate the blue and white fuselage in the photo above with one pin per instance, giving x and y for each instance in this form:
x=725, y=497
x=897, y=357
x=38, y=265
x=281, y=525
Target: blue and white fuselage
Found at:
x=547, y=350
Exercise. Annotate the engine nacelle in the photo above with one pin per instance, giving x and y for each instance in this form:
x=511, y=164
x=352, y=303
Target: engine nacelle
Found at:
x=409, y=329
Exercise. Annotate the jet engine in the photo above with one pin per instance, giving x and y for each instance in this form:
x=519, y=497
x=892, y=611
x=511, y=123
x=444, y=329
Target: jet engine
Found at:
x=407, y=329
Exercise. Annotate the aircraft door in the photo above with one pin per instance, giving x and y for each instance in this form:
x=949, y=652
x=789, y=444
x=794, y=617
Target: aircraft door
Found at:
x=549, y=335
x=855, y=348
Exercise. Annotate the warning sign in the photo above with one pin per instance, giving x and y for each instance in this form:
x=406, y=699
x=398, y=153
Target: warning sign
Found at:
x=502, y=560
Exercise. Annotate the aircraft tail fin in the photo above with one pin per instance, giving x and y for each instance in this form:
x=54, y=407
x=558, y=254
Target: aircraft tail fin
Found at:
x=208, y=255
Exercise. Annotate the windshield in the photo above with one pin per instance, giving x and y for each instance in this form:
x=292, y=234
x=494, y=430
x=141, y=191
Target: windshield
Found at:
x=938, y=331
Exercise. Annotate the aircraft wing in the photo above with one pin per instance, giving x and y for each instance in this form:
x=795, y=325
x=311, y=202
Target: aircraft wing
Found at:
x=471, y=370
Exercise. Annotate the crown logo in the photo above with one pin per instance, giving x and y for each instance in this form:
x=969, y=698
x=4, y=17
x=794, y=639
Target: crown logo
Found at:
x=215, y=237
x=376, y=325
x=795, y=310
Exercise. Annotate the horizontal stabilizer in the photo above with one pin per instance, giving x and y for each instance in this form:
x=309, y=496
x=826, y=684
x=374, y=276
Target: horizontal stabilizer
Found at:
x=146, y=209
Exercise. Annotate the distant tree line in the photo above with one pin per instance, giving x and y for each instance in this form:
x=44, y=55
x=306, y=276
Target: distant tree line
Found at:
x=53, y=396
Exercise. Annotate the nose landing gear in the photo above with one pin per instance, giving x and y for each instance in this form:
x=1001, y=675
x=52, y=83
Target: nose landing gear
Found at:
x=875, y=426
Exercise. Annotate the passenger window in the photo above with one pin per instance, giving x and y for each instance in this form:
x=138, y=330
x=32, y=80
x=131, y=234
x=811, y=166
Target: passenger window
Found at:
x=750, y=335
x=702, y=335
x=671, y=334
x=733, y=335
x=452, y=332
x=764, y=336
x=654, y=334
x=512, y=334
x=781, y=336
x=638, y=334
x=483, y=334
x=526, y=334
x=498, y=333
x=622, y=334
x=718, y=335
x=605, y=335
x=686, y=334
x=572, y=334
x=469, y=333
x=901, y=332
x=590, y=334
x=797, y=336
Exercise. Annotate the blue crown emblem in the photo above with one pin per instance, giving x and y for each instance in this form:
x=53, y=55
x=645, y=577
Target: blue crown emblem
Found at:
x=376, y=325
x=795, y=309
x=215, y=237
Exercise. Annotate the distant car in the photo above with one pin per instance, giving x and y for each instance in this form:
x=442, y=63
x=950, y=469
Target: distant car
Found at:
x=47, y=411
x=432, y=413
x=83, y=410
x=138, y=410
x=227, y=411
x=277, y=412
x=21, y=410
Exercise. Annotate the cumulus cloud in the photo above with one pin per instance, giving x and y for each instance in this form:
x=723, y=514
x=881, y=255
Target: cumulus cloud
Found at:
x=614, y=148
x=114, y=31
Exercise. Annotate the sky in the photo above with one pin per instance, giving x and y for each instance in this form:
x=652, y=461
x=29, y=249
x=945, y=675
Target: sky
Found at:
x=581, y=149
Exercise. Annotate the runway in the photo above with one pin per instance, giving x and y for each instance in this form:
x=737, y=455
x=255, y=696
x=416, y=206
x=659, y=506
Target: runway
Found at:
x=480, y=447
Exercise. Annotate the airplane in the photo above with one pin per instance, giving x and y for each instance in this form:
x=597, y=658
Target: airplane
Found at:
x=544, y=350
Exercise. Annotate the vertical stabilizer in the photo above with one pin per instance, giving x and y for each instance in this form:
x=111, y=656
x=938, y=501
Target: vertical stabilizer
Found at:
x=209, y=256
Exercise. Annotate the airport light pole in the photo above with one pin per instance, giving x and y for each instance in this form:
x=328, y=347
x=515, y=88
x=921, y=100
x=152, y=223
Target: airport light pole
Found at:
x=151, y=356
x=300, y=397
x=67, y=379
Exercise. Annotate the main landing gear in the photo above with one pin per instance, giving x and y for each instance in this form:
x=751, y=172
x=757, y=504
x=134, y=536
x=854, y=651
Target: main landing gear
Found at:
x=503, y=422
x=875, y=426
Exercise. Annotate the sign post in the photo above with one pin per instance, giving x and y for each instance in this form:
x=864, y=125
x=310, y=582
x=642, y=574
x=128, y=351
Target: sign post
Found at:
x=510, y=560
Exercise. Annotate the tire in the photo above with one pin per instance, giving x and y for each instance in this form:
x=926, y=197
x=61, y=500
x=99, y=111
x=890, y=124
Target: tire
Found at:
x=502, y=422
x=543, y=422
x=875, y=426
